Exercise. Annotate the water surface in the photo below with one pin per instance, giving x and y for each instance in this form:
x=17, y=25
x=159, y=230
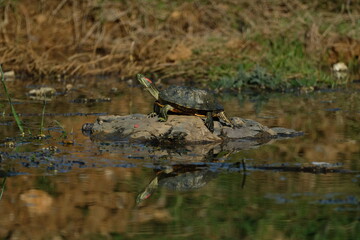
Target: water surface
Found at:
x=107, y=190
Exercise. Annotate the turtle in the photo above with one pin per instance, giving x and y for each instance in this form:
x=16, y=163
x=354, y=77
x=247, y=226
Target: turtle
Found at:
x=185, y=100
x=178, y=178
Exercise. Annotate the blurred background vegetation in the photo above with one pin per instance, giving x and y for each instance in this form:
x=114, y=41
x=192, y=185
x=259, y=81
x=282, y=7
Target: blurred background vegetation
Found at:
x=230, y=43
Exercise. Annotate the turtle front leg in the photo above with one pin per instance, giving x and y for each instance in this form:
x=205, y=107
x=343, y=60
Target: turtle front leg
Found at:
x=209, y=121
x=156, y=111
x=163, y=116
x=152, y=115
x=157, y=108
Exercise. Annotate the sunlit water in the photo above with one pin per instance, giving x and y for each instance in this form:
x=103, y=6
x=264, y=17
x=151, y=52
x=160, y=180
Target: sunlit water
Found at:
x=90, y=190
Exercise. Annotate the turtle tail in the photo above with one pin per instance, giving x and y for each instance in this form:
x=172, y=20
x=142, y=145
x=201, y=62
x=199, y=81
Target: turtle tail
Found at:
x=149, y=86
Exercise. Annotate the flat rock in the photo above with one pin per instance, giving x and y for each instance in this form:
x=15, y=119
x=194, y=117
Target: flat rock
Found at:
x=179, y=129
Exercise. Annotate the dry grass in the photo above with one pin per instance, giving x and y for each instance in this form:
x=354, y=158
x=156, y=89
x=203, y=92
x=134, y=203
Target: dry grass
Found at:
x=168, y=38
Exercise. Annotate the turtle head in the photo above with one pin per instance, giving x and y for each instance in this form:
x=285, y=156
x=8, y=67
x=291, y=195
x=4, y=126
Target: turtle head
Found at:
x=149, y=190
x=144, y=81
x=149, y=85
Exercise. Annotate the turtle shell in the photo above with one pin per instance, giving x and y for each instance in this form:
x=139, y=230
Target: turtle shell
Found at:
x=191, y=98
x=188, y=181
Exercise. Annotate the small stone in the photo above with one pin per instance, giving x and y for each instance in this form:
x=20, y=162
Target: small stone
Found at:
x=10, y=144
x=340, y=70
x=9, y=75
x=43, y=91
x=67, y=142
x=68, y=87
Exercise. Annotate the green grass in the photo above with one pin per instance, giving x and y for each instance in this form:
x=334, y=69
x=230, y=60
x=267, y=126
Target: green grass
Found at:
x=258, y=78
x=285, y=65
x=289, y=60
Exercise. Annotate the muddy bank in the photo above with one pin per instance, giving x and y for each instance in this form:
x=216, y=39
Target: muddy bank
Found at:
x=180, y=130
x=171, y=39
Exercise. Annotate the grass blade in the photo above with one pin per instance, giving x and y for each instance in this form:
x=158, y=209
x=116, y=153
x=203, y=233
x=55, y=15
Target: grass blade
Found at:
x=42, y=118
x=17, y=119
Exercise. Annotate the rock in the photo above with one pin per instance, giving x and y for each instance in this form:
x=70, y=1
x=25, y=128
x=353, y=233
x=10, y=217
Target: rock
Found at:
x=138, y=127
x=43, y=92
x=180, y=129
x=340, y=70
x=9, y=75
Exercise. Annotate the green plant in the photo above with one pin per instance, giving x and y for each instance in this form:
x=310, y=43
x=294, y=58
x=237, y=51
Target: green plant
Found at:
x=258, y=78
x=287, y=58
x=16, y=116
x=64, y=134
x=42, y=119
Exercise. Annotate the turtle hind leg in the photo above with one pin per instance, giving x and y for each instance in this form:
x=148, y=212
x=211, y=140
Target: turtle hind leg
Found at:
x=163, y=116
x=226, y=121
x=209, y=121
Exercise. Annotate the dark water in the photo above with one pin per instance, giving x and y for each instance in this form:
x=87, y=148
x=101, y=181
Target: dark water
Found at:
x=101, y=190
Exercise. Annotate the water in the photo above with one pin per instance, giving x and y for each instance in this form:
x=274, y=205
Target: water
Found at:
x=103, y=190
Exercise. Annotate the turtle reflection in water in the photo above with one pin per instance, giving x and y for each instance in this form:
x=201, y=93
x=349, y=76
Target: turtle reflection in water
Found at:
x=177, y=178
x=185, y=100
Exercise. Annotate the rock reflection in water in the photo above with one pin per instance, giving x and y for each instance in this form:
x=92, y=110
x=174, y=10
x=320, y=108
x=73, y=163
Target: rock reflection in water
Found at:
x=154, y=153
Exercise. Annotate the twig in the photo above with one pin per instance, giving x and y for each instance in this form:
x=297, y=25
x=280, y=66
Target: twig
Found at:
x=2, y=188
x=75, y=18
x=90, y=32
x=61, y=4
x=4, y=23
x=349, y=11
